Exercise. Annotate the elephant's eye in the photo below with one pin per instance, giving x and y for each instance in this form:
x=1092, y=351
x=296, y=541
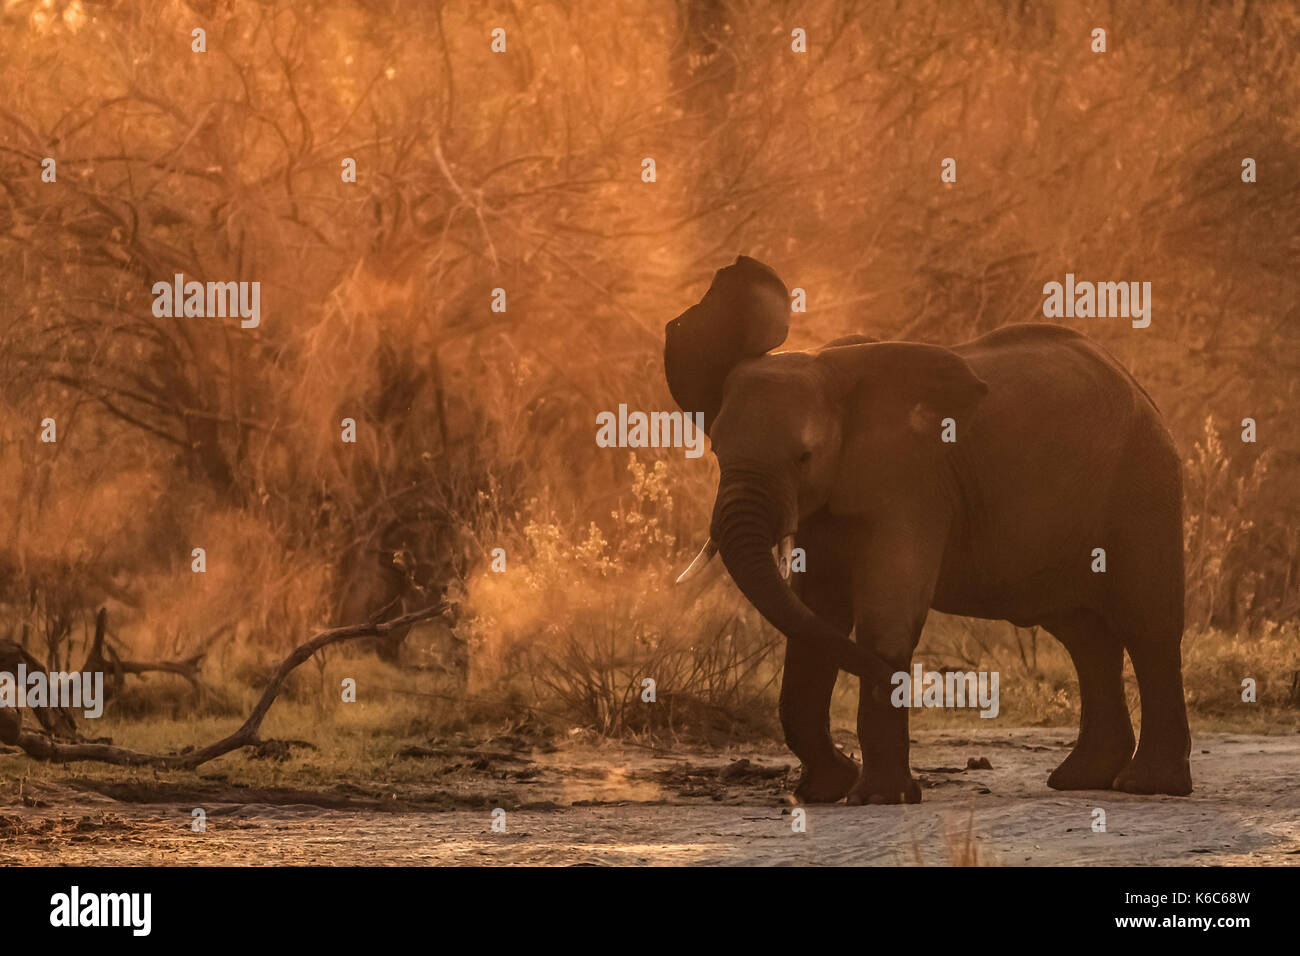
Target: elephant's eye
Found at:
x=805, y=458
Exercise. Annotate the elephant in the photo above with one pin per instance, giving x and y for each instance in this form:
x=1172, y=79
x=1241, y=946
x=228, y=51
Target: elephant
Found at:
x=840, y=451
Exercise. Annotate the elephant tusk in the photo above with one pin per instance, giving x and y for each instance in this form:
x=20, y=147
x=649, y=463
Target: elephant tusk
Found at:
x=703, y=558
x=784, y=550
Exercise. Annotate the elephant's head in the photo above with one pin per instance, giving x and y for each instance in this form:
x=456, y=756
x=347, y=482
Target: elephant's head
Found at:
x=796, y=432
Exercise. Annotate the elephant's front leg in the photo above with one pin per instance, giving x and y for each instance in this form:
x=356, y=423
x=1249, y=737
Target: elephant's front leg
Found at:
x=893, y=583
x=808, y=680
x=827, y=773
x=882, y=733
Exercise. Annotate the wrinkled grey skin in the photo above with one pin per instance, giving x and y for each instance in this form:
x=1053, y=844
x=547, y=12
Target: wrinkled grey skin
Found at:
x=1058, y=451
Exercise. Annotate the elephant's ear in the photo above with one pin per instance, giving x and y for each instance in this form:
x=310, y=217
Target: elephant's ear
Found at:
x=895, y=395
x=905, y=375
x=745, y=313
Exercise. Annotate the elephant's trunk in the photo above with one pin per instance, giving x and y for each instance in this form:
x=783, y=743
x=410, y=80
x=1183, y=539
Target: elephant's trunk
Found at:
x=747, y=521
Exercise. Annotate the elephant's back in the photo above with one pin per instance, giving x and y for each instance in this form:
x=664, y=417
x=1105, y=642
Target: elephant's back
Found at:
x=1050, y=457
x=1059, y=375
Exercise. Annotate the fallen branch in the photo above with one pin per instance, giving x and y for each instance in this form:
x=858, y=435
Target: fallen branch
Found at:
x=43, y=747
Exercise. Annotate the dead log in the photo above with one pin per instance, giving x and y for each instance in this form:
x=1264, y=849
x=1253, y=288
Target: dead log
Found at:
x=43, y=746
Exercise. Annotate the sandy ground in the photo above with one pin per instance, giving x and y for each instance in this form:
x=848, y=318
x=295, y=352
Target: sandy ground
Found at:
x=618, y=805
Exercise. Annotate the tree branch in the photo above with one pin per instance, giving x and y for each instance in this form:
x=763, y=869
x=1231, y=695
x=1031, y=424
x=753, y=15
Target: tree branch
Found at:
x=44, y=747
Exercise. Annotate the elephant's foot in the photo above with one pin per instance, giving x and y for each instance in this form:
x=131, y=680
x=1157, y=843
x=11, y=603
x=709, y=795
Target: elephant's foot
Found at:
x=1146, y=774
x=879, y=786
x=828, y=781
x=1089, y=769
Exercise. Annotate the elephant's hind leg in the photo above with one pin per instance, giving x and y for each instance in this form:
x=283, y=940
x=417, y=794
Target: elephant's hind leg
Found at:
x=1161, y=762
x=1105, y=734
x=1146, y=609
x=806, y=687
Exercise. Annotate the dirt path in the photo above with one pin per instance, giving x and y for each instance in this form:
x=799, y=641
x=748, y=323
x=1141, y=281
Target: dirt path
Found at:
x=569, y=807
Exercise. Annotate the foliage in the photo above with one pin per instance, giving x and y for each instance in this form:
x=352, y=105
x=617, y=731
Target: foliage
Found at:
x=521, y=171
